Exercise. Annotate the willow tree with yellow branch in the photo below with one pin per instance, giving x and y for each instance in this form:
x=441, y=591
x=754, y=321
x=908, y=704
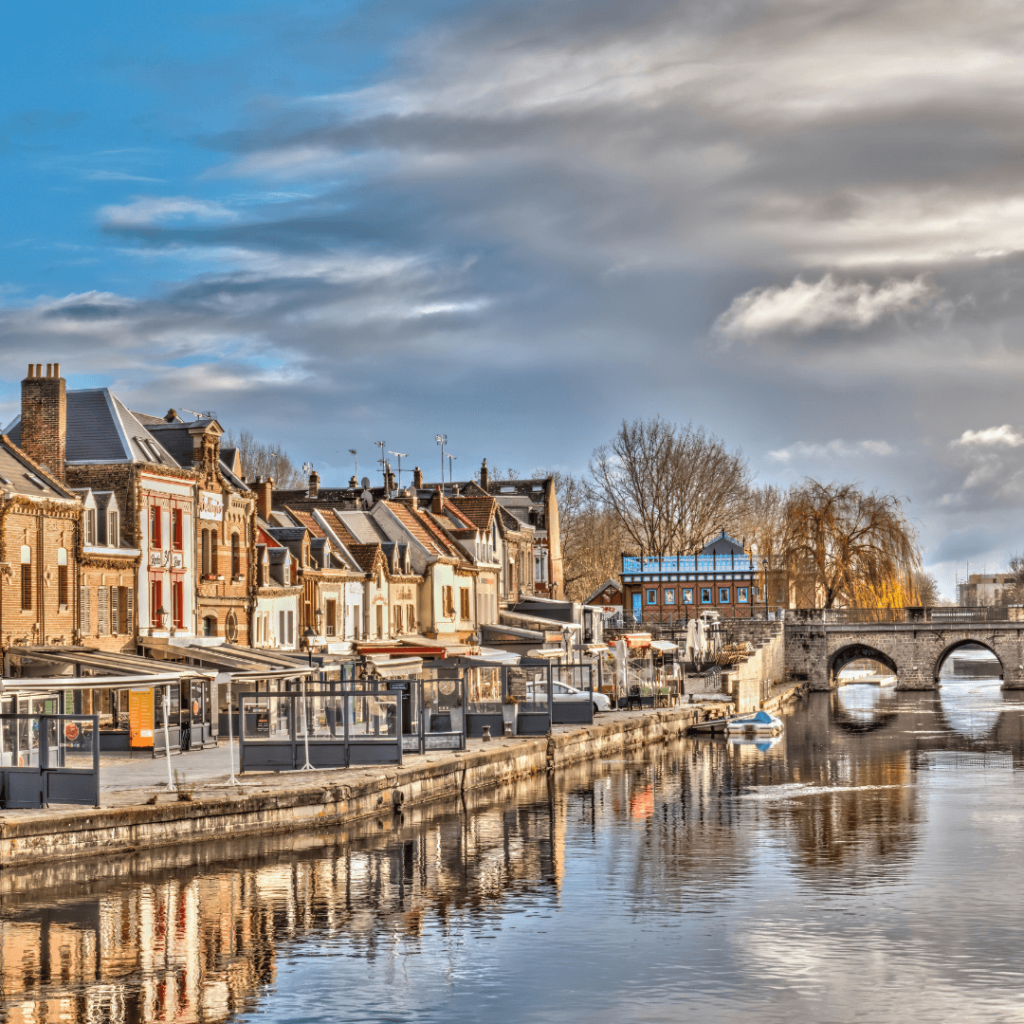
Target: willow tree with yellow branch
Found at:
x=860, y=547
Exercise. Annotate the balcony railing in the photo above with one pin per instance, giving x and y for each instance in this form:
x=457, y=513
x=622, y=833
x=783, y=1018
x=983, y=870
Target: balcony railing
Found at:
x=689, y=563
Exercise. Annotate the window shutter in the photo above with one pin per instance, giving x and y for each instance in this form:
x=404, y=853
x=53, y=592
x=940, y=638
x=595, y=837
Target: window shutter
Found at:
x=128, y=609
x=84, y=611
x=103, y=611
x=115, y=612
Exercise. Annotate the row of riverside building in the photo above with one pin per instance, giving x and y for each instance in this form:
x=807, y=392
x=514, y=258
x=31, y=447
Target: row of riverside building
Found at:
x=130, y=534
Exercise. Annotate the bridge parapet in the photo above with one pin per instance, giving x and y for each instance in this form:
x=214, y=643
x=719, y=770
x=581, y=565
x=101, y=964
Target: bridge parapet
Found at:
x=938, y=614
x=915, y=650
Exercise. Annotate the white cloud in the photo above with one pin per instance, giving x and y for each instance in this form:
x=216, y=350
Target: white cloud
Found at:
x=992, y=436
x=807, y=306
x=837, y=449
x=146, y=210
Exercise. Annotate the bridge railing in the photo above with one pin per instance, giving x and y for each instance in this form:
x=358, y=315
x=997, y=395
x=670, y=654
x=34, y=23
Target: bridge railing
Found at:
x=939, y=614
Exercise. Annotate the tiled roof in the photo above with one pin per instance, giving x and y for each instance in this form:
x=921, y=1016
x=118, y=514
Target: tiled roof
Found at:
x=428, y=536
x=307, y=520
x=365, y=555
x=479, y=510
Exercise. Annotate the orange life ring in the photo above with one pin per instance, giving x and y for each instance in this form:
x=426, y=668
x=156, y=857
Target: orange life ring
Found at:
x=195, y=708
x=71, y=731
x=21, y=760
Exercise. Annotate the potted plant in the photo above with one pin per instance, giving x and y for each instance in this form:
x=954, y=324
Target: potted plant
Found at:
x=510, y=713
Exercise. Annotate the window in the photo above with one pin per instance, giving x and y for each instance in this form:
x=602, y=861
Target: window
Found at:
x=209, y=626
x=178, y=604
x=26, y=578
x=410, y=617
x=62, y=577
x=448, y=601
x=113, y=536
x=103, y=611
x=281, y=628
x=177, y=529
x=723, y=595
x=464, y=602
x=90, y=526
x=84, y=611
x=652, y=597
x=125, y=597
x=231, y=628
x=705, y=595
x=398, y=619
x=214, y=555
x=156, y=601
x=540, y=565
x=670, y=595
x=236, y=556
x=380, y=620
x=687, y=595
x=331, y=623
x=155, y=522
x=291, y=629
x=741, y=595
x=206, y=553
x=115, y=611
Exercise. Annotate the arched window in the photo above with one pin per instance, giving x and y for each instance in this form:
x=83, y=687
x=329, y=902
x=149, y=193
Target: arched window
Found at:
x=210, y=626
x=231, y=628
x=214, y=555
x=62, y=577
x=236, y=556
x=26, y=578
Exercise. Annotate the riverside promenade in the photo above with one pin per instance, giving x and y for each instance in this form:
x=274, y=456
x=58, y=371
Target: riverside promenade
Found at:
x=138, y=812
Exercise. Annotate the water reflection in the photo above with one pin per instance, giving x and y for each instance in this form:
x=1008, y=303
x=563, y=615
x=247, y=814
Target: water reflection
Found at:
x=842, y=871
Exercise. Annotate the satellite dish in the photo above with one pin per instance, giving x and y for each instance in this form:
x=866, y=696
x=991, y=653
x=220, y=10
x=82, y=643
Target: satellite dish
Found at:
x=365, y=483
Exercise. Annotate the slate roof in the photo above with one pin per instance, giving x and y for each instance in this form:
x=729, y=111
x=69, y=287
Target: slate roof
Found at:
x=723, y=545
x=102, y=429
x=361, y=527
x=20, y=475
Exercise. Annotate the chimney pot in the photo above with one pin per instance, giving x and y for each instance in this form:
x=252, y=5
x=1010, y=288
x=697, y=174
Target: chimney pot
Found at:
x=314, y=484
x=417, y=478
x=39, y=369
x=485, y=477
x=437, y=502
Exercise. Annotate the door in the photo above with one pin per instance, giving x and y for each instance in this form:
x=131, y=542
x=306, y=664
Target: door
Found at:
x=637, y=607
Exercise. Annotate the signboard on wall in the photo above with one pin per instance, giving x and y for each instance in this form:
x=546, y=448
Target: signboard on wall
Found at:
x=140, y=718
x=211, y=505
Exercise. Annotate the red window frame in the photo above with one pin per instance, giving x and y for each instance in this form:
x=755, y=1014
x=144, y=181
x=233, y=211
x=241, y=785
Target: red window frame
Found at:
x=178, y=602
x=155, y=524
x=156, y=600
x=177, y=529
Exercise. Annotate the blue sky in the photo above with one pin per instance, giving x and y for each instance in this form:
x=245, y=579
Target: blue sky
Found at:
x=520, y=222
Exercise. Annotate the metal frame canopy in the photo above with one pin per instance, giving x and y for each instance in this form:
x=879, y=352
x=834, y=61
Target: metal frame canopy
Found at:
x=224, y=657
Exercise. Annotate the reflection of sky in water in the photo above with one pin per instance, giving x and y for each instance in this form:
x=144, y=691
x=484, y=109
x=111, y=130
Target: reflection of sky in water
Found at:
x=972, y=707
x=863, y=701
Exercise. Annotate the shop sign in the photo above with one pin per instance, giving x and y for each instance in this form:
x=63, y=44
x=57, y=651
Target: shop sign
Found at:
x=211, y=505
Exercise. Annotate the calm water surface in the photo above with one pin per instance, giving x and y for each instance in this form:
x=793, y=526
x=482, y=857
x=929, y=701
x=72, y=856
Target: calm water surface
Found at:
x=868, y=866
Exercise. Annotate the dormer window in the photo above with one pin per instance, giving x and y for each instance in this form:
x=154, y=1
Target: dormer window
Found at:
x=90, y=526
x=113, y=535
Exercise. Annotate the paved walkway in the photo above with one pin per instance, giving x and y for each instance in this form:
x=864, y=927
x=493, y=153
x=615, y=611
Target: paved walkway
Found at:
x=135, y=778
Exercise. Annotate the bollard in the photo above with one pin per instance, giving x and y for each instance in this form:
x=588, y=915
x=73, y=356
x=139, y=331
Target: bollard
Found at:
x=508, y=730
x=485, y=734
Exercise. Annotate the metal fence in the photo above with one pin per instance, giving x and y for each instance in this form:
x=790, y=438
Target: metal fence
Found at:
x=49, y=759
x=290, y=731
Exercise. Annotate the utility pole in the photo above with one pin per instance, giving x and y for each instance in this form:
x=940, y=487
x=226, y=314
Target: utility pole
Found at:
x=382, y=461
x=451, y=459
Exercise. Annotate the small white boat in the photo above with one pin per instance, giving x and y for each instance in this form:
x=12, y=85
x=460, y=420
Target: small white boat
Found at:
x=760, y=723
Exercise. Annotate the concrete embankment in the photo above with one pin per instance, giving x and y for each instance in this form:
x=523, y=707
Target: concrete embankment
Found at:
x=268, y=804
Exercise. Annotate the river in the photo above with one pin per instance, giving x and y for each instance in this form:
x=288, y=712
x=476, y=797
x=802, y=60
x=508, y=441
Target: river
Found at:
x=865, y=867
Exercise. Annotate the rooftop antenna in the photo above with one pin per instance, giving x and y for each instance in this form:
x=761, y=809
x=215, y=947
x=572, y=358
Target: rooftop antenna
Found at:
x=352, y=452
x=382, y=460
x=451, y=459
x=399, y=456
x=441, y=439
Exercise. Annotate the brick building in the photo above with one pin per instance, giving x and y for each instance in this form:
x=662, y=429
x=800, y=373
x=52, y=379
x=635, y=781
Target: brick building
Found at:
x=40, y=522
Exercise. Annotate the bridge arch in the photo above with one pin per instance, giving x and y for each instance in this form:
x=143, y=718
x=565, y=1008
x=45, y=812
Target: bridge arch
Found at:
x=851, y=652
x=969, y=641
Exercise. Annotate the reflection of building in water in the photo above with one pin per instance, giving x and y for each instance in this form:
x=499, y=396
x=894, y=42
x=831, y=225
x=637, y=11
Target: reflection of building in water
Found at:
x=198, y=947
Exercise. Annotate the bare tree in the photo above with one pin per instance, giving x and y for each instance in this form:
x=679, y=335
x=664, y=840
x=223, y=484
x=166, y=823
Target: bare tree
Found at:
x=762, y=522
x=1016, y=567
x=269, y=461
x=591, y=537
x=669, y=488
x=926, y=588
x=858, y=548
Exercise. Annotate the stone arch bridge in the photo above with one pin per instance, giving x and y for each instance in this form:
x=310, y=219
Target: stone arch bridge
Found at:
x=817, y=649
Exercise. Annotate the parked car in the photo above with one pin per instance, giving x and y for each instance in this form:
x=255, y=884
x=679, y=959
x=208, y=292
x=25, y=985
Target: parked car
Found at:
x=563, y=691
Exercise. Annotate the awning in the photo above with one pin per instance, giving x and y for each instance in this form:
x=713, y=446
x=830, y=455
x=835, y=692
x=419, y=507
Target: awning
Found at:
x=496, y=633
x=525, y=620
x=397, y=668
x=549, y=653
x=224, y=657
x=663, y=646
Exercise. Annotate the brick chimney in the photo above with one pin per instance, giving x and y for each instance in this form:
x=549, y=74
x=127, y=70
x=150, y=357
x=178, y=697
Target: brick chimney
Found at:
x=389, y=479
x=417, y=478
x=485, y=477
x=44, y=417
x=264, y=497
x=437, y=501
x=314, y=484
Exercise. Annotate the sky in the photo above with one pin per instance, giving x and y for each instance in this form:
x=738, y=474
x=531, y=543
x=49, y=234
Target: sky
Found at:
x=518, y=223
